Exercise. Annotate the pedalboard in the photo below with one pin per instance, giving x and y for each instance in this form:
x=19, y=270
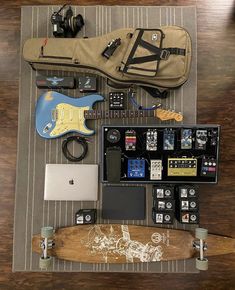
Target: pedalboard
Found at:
x=171, y=154
x=116, y=101
x=182, y=167
x=136, y=168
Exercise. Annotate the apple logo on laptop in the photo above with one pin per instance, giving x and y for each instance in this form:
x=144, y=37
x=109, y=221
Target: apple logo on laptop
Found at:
x=71, y=181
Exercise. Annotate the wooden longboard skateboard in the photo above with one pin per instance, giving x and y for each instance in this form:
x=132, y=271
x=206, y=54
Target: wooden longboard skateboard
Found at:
x=115, y=243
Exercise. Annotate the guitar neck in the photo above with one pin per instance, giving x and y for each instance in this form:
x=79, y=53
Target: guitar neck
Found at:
x=115, y=114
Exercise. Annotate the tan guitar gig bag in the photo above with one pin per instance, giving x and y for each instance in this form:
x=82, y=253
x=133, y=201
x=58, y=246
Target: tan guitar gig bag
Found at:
x=147, y=57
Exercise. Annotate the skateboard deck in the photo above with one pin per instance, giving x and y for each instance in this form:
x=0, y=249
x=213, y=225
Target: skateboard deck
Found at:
x=115, y=243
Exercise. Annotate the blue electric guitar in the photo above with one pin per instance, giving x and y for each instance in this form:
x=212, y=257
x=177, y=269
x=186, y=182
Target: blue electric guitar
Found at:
x=57, y=114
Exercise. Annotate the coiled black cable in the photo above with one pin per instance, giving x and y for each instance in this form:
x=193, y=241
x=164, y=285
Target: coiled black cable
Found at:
x=80, y=140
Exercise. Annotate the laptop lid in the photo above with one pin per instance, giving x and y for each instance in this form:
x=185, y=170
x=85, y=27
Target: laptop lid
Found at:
x=71, y=182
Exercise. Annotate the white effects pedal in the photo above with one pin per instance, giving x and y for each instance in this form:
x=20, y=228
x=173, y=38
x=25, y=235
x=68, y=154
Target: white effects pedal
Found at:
x=156, y=169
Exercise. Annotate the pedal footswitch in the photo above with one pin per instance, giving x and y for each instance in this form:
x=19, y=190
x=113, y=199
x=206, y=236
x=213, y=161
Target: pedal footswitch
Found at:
x=156, y=169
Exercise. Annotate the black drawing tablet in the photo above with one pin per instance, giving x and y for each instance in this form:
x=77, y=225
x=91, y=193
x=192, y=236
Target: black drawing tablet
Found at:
x=123, y=203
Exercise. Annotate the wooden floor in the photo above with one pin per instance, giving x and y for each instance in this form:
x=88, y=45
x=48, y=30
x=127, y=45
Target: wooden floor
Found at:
x=216, y=104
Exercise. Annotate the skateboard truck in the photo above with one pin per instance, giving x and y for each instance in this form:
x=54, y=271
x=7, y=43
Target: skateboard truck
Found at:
x=46, y=233
x=201, y=246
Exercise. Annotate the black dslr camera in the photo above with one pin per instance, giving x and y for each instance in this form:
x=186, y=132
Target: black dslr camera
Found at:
x=68, y=26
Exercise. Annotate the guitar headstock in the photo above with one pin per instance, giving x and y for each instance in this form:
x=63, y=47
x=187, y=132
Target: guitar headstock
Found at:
x=165, y=115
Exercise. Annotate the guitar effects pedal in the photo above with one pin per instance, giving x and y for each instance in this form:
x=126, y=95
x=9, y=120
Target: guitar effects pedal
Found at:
x=201, y=139
x=182, y=167
x=113, y=136
x=130, y=140
x=209, y=166
x=136, y=168
x=87, y=84
x=186, y=138
x=151, y=140
x=156, y=169
x=168, y=139
x=116, y=101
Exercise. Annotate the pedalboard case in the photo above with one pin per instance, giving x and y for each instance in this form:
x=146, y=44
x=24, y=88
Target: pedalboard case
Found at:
x=161, y=154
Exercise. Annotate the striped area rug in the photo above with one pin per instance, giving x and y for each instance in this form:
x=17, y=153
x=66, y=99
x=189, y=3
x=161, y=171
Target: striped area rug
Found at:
x=31, y=211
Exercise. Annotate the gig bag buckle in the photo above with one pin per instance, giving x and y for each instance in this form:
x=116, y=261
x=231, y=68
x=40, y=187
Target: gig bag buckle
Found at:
x=111, y=47
x=164, y=54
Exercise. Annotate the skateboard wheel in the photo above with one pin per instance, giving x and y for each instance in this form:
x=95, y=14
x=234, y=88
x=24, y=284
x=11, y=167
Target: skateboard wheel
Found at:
x=202, y=265
x=47, y=232
x=45, y=263
x=201, y=233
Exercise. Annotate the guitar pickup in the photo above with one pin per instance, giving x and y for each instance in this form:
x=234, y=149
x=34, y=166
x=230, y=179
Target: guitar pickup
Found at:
x=54, y=115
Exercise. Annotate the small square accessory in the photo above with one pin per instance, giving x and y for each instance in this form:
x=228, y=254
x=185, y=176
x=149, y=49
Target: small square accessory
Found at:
x=163, y=191
x=85, y=216
x=164, y=205
x=162, y=217
x=87, y=84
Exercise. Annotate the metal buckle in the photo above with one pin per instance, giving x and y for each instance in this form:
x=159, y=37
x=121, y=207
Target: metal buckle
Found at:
x=164, y=54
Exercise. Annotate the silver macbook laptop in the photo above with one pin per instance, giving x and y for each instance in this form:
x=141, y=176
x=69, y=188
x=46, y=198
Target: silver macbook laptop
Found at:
x=71, y=182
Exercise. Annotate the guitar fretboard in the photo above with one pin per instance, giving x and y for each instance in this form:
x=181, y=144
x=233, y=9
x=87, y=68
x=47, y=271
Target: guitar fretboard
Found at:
x=115, y=114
